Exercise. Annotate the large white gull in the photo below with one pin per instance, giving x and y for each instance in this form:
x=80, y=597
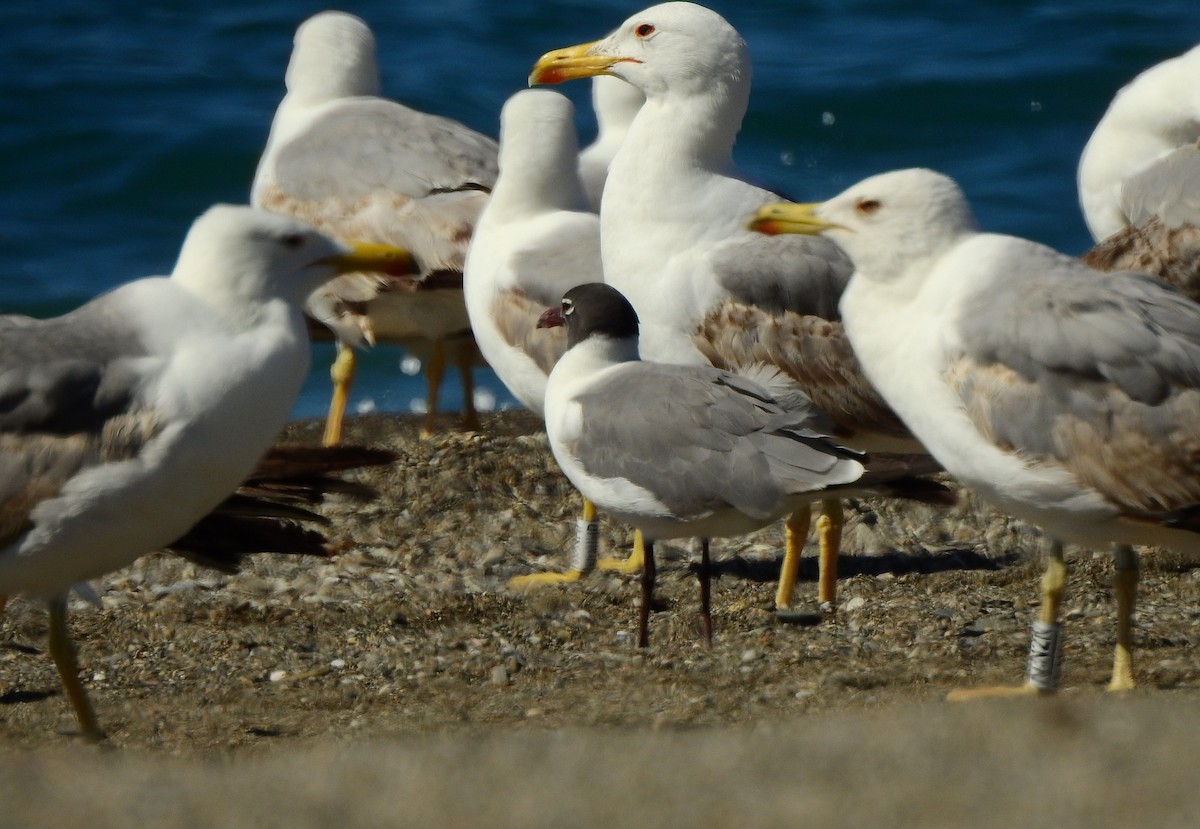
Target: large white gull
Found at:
x=125, y=422
x=535, y=239
x=367, y=168
x=674, y=241
x=1065, y=396
x=615, y=104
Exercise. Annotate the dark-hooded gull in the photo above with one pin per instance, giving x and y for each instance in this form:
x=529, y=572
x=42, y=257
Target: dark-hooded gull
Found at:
x=710, y=453
x=1065, y=396
x=125, y=422
x=674, y=241
x=535, y=239
x=367, y=168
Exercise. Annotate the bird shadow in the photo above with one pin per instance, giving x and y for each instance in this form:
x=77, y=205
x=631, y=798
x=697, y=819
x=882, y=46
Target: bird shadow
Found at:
x=19, y=697
x=897, y=564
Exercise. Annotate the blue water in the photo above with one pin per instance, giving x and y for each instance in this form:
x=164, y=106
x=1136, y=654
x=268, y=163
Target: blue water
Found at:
x=120, y=122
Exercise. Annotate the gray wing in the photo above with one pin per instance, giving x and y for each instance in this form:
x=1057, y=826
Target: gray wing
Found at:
x=1122, y=328
x=702, y=439
x=803, y=275
x=373, y=144
x=1098, y=375
x=68, y=390
x=69, y=373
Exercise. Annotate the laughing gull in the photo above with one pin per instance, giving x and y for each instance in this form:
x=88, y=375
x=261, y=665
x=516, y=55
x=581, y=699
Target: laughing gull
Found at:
x=367, y=168
x=125, y=422
x=1064, y=396
x=710, y=453
x=674, y=241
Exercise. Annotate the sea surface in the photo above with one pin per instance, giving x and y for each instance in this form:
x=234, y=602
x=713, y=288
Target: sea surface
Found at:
x=120, y=122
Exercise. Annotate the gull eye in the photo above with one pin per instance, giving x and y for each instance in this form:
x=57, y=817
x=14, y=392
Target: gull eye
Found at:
x=568, y=307
x=292, y=241
x=868, y=207
x=644, y=30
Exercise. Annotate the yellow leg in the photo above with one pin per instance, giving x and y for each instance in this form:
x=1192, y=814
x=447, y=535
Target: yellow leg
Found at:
x=1042, y=675
x=1125, y=586
x=829, y=531
x=63, y=652
x=630, y=565
x=796, y=533
x=434, y=372
x=586, y=542
x=342, y=374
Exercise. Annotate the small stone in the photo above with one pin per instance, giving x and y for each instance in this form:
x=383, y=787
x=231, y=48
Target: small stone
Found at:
x=854, y=604
x=276, y=675
x=749, y=655
x=499, y=675
x=337, y=664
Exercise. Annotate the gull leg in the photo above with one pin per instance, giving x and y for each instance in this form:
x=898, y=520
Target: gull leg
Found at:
x=587, y=544
x=648, y=575
x=470, y=419
x=630, y=565
x=1045, y=643
x=829, y=531
x=65, y=659
x=1125, y=586
x=704, y=574
x=796, y=533
x=342, y=374
x=434, y=371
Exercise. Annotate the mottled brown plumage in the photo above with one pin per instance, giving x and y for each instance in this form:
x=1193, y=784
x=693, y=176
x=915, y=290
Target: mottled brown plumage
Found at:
x=814, y=353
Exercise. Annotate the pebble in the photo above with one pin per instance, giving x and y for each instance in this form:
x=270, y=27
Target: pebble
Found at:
x=499, y=675
x=854, y=604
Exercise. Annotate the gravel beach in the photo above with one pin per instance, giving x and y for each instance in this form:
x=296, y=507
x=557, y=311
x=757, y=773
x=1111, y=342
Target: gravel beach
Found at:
x=400, y=682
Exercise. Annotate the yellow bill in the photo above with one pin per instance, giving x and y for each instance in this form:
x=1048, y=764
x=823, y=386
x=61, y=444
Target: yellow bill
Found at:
x=573, y=62
x=378, y=258
x=787, y=217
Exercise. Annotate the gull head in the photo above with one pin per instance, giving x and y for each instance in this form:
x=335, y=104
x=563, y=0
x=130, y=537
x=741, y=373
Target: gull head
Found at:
x=245, y=255
x=883, y=223
x=333, y=56
x=593, y=310
x=681, y=48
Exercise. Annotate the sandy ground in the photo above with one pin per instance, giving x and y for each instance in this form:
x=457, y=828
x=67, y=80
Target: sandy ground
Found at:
x=401, y=683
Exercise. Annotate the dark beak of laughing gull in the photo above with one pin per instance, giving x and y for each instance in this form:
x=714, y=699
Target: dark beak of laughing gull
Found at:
x=551, y=318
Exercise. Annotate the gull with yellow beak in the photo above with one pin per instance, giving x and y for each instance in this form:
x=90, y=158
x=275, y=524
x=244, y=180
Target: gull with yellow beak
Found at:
x=126, y=421
x=674, y=242
x=1064, y=396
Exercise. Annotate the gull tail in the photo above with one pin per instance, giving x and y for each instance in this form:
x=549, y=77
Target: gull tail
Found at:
x=894, y=475
x=267, y=513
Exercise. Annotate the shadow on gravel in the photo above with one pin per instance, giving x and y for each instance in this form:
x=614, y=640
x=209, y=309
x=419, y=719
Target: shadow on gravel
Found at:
x=899, y=564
